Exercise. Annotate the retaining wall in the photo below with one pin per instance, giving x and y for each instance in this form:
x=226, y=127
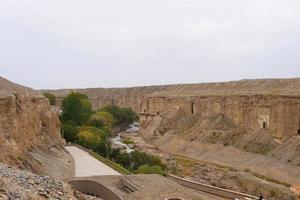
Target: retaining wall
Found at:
x=95, y=189
x=211, y=189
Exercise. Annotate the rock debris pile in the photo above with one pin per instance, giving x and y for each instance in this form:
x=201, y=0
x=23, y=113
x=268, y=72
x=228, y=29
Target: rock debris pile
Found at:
x=16, y=184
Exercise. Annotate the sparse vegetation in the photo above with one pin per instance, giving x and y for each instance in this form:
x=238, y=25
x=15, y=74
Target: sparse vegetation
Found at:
x=146, y=169
x=51, y=97
x=127, y=141
x=269, y=179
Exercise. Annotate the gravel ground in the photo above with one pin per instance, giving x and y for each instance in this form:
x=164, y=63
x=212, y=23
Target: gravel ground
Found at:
x=16, y=184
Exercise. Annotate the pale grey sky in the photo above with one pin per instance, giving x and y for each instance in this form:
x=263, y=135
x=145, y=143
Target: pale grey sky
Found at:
x=116, y=43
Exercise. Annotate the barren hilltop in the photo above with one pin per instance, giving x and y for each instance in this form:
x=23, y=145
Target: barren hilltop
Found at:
x=242, y=87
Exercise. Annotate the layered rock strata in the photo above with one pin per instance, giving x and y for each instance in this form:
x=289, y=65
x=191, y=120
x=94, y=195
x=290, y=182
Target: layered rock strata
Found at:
x=27, y=124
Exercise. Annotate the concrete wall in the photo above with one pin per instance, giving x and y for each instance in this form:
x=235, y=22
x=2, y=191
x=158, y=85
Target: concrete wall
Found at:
x=210, y=189
x=95, y=189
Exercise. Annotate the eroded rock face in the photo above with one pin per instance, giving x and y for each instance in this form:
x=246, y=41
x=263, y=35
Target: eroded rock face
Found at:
x=27, y=123
x=270, y=104
x=278, y=115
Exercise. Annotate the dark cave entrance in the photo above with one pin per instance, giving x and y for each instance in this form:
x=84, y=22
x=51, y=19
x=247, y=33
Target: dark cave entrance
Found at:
x=264, y=125
x=192, y=108
x=298, y=131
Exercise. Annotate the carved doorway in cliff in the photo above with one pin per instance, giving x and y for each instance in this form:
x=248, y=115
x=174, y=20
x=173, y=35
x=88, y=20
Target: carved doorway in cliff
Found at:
x=299, y=131
x=192, y=108
x=264, y=125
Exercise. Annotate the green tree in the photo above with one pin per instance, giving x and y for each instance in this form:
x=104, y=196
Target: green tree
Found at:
x=51, y=97
x=132, y=161
x=121, y=115
x=77, y=108
x=69, y=131
x=123, y=159
x=139, y=158
x=95, y=139
x=101, y=119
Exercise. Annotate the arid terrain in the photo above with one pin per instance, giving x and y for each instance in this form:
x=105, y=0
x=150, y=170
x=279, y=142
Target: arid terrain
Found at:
x=30, y=141
x=249, y=127
x=242, y=135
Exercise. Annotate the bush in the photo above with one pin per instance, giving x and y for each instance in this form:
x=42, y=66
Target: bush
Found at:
x=51, y=97
x=95, y=139
x=127, y=141
x=77, y=108
x=139, y=158
x=146, y=169
x=101, y=119
x=69, y=131
x=132, y=161
x=124, y=160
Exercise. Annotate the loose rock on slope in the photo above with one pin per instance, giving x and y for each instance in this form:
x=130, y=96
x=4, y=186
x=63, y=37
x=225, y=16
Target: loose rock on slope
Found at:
x=17, y=184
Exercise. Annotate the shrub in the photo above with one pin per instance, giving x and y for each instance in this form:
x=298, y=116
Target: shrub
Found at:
x=101, y=119
x=127, y=141
x=139, y=158
x=51, y=97
x=95, y=139
x=69, y=131
x=146, y=169
x=124, y=160
x=121, y=115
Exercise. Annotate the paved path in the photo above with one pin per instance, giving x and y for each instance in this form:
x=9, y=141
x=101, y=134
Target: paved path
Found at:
x=86, y=165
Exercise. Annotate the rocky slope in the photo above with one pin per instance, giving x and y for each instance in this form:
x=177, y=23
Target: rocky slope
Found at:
x=23, y=185
x=27, y=126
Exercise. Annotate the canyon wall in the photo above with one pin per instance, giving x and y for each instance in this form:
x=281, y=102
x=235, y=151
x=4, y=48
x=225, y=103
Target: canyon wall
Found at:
x=270, y=104
x=279, y=115
x=27, y=124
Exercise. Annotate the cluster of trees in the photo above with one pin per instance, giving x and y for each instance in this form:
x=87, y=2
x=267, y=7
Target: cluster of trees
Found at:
x=139, y=162
x=92, y=129
x=82, y=125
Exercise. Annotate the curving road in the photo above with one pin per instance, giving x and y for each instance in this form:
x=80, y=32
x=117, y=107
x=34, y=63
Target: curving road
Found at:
x=86, y=165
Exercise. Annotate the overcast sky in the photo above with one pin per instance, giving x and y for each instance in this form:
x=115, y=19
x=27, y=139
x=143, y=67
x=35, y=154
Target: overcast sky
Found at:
x=117, y=43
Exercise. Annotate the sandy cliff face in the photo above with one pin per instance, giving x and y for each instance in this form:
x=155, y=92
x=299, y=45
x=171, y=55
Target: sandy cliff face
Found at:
x=271, y=104
x=27, y=124
x=278, y=115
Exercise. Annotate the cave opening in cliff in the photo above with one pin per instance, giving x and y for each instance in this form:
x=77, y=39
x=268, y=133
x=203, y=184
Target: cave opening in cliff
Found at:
x=264, y=125
x=299, y=131
x=192, y=107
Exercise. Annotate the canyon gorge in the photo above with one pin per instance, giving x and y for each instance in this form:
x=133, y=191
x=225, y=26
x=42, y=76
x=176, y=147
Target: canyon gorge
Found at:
x=247, y=125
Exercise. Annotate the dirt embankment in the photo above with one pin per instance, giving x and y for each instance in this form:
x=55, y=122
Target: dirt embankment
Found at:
x=28, y=127
x=251, y=161
x=229, y=178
